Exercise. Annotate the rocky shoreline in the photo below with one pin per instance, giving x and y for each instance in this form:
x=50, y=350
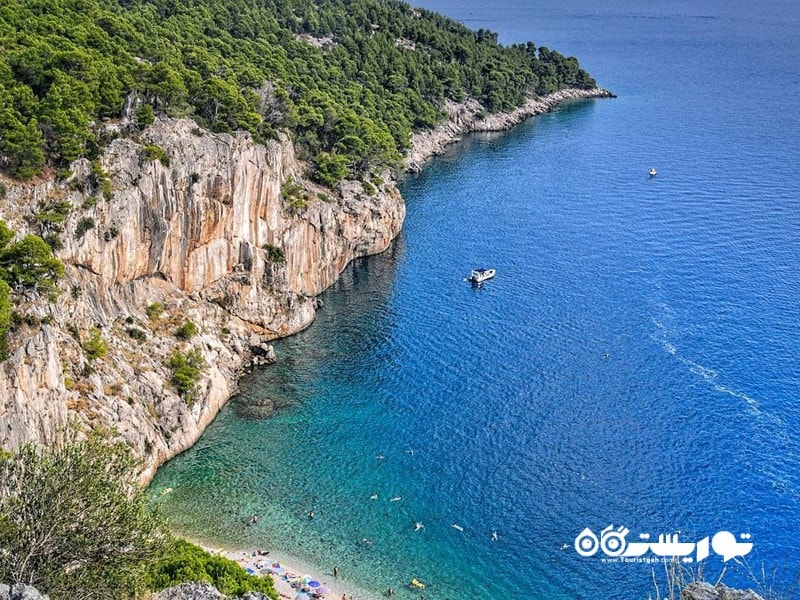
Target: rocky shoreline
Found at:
x=471, y=117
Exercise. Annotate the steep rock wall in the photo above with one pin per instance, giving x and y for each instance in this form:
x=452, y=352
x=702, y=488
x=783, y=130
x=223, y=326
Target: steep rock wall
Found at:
x=190, y=233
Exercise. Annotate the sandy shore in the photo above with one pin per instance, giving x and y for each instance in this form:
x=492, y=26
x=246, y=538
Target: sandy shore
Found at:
x=259, y=561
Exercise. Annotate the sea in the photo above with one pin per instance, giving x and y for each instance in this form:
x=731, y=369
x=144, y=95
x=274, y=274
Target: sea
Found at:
x=626, y=389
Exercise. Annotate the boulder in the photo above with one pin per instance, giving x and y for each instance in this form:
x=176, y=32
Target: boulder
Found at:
x=191, y=591
x=700, y=590
x=20, y=592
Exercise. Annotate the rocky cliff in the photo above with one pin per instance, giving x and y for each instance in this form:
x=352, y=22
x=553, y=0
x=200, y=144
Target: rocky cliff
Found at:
x=215, y=229
x=177, y=224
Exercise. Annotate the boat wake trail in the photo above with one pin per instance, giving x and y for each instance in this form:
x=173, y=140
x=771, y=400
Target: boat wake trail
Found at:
x=770, y=431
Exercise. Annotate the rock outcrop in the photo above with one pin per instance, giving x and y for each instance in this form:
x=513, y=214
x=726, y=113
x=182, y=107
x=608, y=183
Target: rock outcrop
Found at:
x=207, y=234
x=201, y=591
x=700, y=590
x=20, y=592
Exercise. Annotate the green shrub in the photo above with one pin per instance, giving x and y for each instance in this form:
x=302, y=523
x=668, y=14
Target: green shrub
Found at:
x=330, y=169
x=54, y=241
x=368, y=187
x=186, y=371
x=54, y=212
x=187, y=331
x=84, y=225
x=95, y=347
x=3, y=191
x=185, y=562
x=5, y=317
x=292, y=194
x=90, y=202
x=137, y=334
x=111, y=233
x=101, y=179
x=78, y=504
x=144, y=115
x=274, y=254
x=153, y=152
x=28, y=263
x=154, y=310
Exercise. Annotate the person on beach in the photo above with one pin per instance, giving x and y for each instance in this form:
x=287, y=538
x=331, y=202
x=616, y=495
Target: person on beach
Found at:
x=336, y=572
x=390, y=592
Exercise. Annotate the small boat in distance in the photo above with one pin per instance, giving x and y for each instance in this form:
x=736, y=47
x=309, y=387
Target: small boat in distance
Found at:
x=481, y=275
x=653, y=172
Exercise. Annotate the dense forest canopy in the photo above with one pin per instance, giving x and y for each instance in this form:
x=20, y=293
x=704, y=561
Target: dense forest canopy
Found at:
x=351, y=79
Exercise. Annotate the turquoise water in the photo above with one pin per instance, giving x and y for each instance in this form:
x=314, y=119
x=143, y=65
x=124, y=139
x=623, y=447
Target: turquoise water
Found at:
x=634, y=362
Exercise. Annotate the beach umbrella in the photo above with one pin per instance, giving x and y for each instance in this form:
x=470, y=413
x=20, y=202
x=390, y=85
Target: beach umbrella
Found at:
x=277, y=565
x=314, y=583
x=322, y=590
x=302, y=597
x=278, y=571
x=250, y=571
x=305, y=579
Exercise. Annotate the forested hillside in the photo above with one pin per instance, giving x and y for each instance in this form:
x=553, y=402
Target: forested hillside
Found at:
x=351, y=79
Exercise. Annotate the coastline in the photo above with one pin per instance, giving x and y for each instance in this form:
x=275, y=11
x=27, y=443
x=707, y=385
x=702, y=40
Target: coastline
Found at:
x=259, y=563
x=463, y=118
x=471, y=116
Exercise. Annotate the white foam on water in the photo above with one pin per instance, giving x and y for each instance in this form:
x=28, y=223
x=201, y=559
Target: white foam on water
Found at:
x=771, y=430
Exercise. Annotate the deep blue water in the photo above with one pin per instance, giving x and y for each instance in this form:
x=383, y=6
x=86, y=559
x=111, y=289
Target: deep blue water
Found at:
x=634, y=362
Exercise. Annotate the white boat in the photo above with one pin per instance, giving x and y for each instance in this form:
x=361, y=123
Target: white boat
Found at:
x=481, y=275
x=653, y=172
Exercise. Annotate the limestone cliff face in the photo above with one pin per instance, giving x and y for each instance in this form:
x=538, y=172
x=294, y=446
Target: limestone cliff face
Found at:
x=196, y=232
x=205, y=232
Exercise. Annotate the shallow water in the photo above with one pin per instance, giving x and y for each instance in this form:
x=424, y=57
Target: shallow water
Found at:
x=634, y=361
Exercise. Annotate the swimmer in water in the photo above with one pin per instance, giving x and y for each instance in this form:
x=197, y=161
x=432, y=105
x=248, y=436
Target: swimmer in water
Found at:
x=494, y=536
x=373, y=497
x=380, y=457
x=418, y=525
x=396, y=499
x=411, y=452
